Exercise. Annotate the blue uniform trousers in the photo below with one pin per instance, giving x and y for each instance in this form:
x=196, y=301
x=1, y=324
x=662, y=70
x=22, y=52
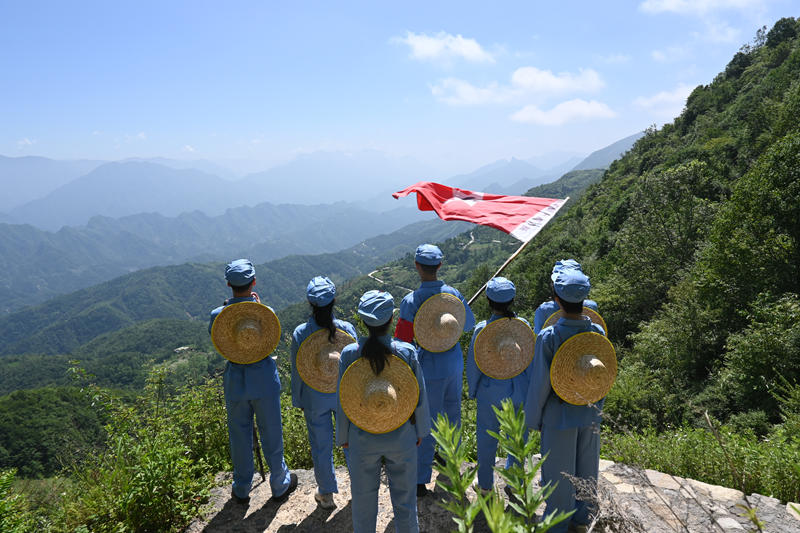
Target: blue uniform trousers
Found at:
x=240, y=431
x=575, y=451
x=486, y=420
x=444, y=396
x=320, y=436
x=399, y=450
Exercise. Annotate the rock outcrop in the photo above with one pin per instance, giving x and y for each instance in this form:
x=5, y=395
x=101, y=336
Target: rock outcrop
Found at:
x=630, y=500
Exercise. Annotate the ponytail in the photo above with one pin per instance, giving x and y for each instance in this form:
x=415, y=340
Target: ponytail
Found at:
x=323, y=316
x=502, y=308
x=374, y=350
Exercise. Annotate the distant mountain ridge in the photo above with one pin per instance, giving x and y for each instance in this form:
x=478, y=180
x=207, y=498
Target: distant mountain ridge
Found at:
x=605, y=156
x=24, y=179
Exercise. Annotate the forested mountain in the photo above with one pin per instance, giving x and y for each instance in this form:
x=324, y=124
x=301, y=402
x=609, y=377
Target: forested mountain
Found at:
x=53, y=263
x=191, y=290
x=691, y=240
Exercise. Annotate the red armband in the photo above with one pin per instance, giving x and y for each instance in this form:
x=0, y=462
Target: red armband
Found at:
x=404, y=330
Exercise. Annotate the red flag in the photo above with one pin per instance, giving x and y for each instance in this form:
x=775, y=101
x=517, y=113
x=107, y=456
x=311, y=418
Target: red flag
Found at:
x=519, y=216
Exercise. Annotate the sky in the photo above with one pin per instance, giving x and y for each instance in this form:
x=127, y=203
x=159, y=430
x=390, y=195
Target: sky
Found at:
x=455, y=85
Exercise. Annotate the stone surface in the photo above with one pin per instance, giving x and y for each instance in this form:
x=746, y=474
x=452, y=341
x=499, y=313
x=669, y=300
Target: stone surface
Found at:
x=631, y=500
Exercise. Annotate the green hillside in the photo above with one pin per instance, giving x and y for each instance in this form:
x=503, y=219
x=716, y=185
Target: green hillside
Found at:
x=191, y=291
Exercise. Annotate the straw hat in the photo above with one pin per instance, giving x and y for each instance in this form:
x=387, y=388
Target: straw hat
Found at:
x=584, y=368
x=318, y=359
x=439, y=322
x=593, y=315
x=382, y=403
x=246, y=332
x=504, y=348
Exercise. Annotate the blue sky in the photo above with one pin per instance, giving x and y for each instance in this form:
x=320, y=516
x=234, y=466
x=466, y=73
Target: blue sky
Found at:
x=452, y=84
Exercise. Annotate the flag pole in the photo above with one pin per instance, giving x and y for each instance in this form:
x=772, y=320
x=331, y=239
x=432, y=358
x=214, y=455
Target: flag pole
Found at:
x=511, y=258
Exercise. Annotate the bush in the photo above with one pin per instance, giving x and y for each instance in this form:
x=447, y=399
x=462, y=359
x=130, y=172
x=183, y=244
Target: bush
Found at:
x=746, y=463
x=14, y=517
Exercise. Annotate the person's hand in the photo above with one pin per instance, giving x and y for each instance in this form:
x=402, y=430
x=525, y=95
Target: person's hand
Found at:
x=255, y=297
x=418, y=440
x=345, y=445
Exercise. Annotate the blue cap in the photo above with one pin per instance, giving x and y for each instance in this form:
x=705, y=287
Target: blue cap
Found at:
x=571, y=285
x=320, y=291
x=376, y=307
x=240, y=272
x=565, y=264
x=428, y=254
x=500, y=290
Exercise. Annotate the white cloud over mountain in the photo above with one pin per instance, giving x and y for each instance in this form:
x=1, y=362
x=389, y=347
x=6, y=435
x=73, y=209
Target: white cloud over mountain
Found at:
x=569, y=111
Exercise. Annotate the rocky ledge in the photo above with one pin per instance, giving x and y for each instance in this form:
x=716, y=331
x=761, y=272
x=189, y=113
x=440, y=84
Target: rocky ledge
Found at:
x=631, y=500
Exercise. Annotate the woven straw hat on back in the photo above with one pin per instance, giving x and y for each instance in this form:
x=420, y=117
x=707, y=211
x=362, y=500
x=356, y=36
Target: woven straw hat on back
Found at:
x=504, y=348
x=593, y=315
x=584, y=368
x=318, y=359
x=439, y=322
x=246, y=332
x=379, y=404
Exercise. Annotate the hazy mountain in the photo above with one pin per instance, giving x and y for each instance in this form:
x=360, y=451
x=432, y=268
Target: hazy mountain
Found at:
x=120, y=189
x=36, y=265
x=513, y=176
x=605, y=156
x=325, y=177
x=191, y=290
x=23, y=179
x=203, y=165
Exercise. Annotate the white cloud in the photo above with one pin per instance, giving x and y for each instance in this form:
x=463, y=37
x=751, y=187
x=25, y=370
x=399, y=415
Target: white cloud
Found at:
x=670, y=55
x=569, y=111
x=188, y=148
x=665, y=104
x=615, y=59
x=720, y=32
x=531, y=79
x=697, y=7
x=444, y=47
x=454, y=91
x=525, y=82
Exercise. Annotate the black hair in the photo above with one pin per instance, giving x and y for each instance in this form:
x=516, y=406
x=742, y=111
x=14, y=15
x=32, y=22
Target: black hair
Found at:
x=502, y=308
x=374, y=350
x=429, y=269
x=243, y=288
x=574, y=308
x=323, y=316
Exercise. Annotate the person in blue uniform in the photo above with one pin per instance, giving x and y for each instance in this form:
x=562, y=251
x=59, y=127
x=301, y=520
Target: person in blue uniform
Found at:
x=570, y=433
x=318, y=407
x=443, y=371
x=397, y=448
x=546, y=309
x=490, y=392
x=253, y=389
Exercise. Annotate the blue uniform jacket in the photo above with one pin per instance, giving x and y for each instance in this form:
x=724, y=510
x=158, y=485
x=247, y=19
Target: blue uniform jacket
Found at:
x=251, y=381
x=544, y=311
x=407, y=353
x=518, y=385
x=543, y=406
x=442, y=364
x=303, y=395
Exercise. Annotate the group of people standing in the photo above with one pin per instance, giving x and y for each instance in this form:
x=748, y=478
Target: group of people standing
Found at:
x=384, y=389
